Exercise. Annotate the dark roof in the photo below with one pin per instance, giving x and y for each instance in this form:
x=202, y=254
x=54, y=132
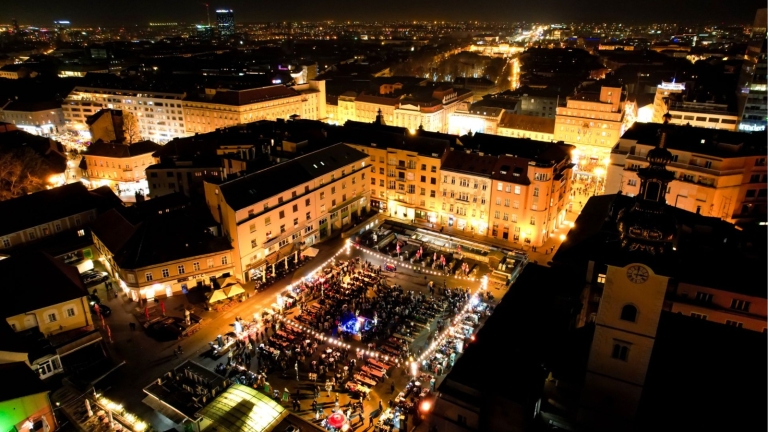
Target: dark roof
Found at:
x=140, y=240
x=705, y=246
x=528, y=123
x=32, y=106
x=717, y=143
x=474, y=81
x=19, y=381
x=696, y=371
x=379, y=100
x=248, y=96
x=93, y=118
x=52, y=152
x=252, y=188
x=45, y=280
x=49, y=205
x=537, y=151
x=470, y=163
x=115, y=150
x=383, y=136
x=10, y=341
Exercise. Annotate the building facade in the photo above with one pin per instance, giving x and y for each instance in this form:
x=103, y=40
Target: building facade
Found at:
x=120, y=166
x=715, y=173
x=465, y=191
x=159, y=115
x=591, y=121
x=42, y=118
x=277, y=212
x=522, y=126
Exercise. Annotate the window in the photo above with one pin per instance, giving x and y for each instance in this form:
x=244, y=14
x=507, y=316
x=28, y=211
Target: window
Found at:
x=295, y=221
x=309, y=216
x=148, y=277
x=620, y=351
x=632, y=182
x=333, y=190
x=461, y=420
x=514, y=218
x=628, y=313
x=517, y=190
x=70, y=312
x=432, y=180
x=434, y=168
x=131, y=278
x=267, y=221
x=704, y=297
x=734, y=323
x=282, y=229
x=601, y=278
x=252, y=227
x=51, y=317
x=506, y=202
x=281, y=214
x=180, y=267
x=80, y=233
x=165, y=273
x=224, y=260
x=209, y=262
x=322, y=195
x=295, y=208
x=6, y=242
x=533, y=220
x=535, y=192
x=698, y=315
x=740, y=305
x=31, y=235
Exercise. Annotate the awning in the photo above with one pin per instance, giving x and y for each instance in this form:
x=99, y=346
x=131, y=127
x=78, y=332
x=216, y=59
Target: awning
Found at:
x=217, y=295
x=165, y=410
x=310, y=252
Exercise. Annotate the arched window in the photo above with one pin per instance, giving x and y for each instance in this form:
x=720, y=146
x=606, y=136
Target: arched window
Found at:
x=620, y=352
x=629, y=313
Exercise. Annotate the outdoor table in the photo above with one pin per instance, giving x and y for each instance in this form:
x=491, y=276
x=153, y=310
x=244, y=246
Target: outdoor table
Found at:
x=373, y=371
x=364, y=380
x=329, y=350
x=378, y=364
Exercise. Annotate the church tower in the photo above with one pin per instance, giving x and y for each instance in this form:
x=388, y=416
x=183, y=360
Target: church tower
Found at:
x=632, y=300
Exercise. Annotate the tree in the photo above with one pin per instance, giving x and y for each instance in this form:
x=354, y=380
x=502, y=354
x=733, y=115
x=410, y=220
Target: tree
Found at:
x=131, y=130
x=21, y=172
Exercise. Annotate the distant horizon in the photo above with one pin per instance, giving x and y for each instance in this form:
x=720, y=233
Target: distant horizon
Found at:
x=141, y=12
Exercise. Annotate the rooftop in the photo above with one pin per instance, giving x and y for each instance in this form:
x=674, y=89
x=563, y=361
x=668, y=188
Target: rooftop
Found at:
x=394, y=137
x=46, y=281
x=245, y=97
x=253, y=188
x=116, y=150
x=53, y=204
x=31, y=106
x=19, y=381
x=469, y=163
x=243, y=409
x=528, y=123
x=712, y=142
x=538, y=152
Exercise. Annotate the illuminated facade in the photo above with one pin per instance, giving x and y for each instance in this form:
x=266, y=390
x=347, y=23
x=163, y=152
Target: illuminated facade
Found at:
x=592, y=121
x=716, y=173
x=524, y=126
x=465, y=183
x=225, y=22
x=663, y=91
x=120, y=166
x=475, y=119
x=159, y=115
x=219, y=108
x=37, y=118
x=279, y=211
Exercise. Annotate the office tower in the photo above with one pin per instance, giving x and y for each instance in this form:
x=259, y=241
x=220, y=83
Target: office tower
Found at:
x=225, y=21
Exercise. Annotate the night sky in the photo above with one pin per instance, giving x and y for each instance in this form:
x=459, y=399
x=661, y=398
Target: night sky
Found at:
x=43, y=12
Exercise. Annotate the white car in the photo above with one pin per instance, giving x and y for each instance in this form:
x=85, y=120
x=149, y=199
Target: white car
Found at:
x=93, y=276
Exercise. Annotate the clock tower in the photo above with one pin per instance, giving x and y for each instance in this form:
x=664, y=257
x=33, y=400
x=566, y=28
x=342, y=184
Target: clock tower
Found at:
x=631, y=301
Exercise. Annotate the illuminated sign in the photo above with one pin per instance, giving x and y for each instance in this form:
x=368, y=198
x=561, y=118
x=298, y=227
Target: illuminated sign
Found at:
x=671, y=86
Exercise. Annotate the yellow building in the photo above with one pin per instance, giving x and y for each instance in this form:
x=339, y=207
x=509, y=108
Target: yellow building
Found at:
x=218, y=108
x=404, y=170
x=716, y=173
x=660, y=100
x=465, y=193
x=525, y=126
x=162, y=255
x=530, y=186
x=275, y=213
x=592, y=121
x=120, y=166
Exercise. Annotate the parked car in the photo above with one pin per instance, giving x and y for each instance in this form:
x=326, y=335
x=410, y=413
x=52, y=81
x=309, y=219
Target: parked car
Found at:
x=103, y=309
x=94, y=276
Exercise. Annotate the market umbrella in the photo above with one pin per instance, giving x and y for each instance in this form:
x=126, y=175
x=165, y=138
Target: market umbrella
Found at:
x=336, y=420
x=233, y=290
x=216, y=295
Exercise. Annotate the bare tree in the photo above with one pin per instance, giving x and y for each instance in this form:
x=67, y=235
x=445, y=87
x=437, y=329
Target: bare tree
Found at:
x=131, y=129
x=21, y=172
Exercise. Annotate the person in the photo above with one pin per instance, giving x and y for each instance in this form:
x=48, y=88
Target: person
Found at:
x=381, y=408
x=392, y=388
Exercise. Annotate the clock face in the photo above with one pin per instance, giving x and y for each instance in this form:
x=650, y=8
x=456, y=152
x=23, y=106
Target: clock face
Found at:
x=637, y=274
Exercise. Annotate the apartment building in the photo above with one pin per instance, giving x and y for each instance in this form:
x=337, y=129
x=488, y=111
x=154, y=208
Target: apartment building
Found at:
x=660, y=100
x=716, y=173
x=530, y=186
x=281, y=210
x=474, y=119
x=218, y=108
x=120, y=166
x=592, y=121
x=162, y=255
x=39, y=118
x=465, y=191
x=404, y=169
x=159, y=115
x=741, y=305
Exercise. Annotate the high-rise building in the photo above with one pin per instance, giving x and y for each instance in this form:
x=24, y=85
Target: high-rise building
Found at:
x=753, y=105
x=225, y=21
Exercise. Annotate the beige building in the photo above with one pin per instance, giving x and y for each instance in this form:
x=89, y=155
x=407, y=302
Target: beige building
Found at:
x=475, y=119
x=404, y=174
x=161, y=255
x=716, y=173
x=159, y=115
x=41, y=118
x=465, y=191
x=273, y=214
x=120, y=166
x=670, y=100
x=525, y=126
x=592, y=121
x=661, y=99
x=221, y=107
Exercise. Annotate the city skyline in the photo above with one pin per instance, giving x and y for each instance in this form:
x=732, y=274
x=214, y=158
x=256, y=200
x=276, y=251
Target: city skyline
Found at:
x=80, y=12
